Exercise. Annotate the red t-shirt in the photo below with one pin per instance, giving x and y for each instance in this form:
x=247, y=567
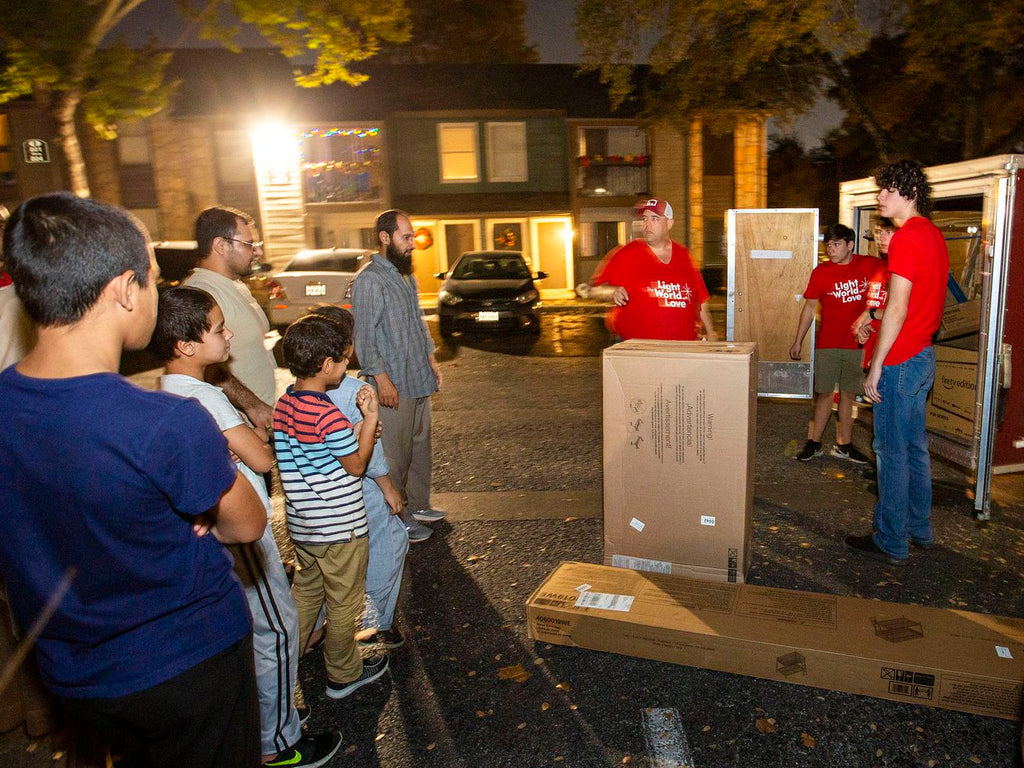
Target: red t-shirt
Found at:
x=878, y=294
x=918, y=252
x=664, y=299
x=841, y=290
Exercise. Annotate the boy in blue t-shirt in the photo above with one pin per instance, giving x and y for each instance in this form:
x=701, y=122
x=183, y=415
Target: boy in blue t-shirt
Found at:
x=321, y=460
x=110, y=490
x=190, y=335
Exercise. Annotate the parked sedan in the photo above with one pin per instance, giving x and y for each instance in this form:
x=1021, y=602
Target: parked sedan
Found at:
x=313, y=277
x=486, y=290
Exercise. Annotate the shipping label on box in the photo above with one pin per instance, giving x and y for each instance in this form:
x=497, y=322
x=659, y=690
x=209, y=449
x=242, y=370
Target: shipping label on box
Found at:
x=679, y=421
x=939, y=657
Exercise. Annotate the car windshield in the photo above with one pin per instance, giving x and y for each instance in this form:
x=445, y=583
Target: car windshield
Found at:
x=323, y=262
x=491, y=268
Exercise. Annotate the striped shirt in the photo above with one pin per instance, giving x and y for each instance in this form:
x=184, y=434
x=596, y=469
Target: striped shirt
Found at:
x=391, y=335
x=323, y=502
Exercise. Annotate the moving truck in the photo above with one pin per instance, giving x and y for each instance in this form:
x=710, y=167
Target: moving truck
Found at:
x=976, y=410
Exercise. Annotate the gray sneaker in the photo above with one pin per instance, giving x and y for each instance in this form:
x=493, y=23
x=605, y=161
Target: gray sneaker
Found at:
x=373, y=667
x=428, y=515
x=418, y=532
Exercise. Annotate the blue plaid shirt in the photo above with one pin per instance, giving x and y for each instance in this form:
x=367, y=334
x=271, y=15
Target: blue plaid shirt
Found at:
x=391, y=334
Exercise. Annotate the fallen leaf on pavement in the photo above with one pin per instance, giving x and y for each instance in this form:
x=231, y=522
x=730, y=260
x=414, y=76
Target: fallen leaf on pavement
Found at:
x=563, y=687
x=514, y=672
x=808, y=740
x=544, y=707
x=764, y=725
x=474, y=558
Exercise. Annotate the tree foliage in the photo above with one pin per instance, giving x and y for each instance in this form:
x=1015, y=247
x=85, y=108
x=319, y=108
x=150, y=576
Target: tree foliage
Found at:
x=465, y=32
x=65, y=54
x=939, y=80
x=720, y=58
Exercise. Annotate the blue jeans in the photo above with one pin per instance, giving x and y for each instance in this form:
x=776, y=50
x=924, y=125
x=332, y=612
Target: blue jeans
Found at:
x=904, y=503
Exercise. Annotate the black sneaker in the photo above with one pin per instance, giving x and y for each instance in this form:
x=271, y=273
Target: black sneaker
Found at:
x=922, y=544
x=304, y=713
x=309, y=751
x=812, y=449
x=373, y=667
x=850, y=453
x=866, y=546
x=388, y=638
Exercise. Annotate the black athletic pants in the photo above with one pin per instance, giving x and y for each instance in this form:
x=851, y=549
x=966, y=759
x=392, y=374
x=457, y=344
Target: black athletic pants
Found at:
x=206, y=717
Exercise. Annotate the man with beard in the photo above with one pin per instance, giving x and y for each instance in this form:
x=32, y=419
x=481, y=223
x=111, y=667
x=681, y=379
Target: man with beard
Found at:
x=396, y=352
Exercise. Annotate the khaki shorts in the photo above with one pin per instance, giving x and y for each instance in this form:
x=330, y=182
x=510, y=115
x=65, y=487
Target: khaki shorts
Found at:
x=838, y=366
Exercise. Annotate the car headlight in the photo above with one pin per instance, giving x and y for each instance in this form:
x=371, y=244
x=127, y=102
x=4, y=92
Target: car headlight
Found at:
x=449, y=298
x=527, y=296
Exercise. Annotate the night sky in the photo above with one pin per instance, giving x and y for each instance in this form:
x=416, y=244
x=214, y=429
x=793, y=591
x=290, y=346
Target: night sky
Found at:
x=550, y=26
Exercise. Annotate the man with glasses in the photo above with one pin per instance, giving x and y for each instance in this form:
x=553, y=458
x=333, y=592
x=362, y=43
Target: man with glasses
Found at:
x=227, y=247
x=840, y=285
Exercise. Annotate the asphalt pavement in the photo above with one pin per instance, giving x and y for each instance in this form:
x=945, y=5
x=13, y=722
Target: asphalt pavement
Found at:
x=517, y=464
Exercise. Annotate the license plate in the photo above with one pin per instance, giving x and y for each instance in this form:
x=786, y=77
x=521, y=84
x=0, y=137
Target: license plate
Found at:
x=487, y=317
x=316, y=289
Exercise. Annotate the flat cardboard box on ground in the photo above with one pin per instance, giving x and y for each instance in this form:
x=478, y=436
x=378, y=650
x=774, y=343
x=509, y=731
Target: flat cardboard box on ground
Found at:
x=679, y=424
x=922, y=656
x=952, y=400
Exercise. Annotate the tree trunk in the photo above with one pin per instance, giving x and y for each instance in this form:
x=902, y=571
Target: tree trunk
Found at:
x=64, y=113
x=839, y=75
x=973, y=125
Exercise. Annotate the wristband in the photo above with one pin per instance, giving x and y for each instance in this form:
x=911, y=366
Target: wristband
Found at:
x=871, y=313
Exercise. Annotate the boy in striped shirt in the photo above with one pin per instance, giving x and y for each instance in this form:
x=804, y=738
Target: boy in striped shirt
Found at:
x=321, y=460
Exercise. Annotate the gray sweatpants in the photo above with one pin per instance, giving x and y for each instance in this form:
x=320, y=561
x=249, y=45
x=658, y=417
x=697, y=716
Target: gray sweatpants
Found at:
x=406, y=441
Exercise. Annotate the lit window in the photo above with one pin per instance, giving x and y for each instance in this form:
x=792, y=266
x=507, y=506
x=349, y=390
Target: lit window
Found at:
x=457, y=145
x=506, y=152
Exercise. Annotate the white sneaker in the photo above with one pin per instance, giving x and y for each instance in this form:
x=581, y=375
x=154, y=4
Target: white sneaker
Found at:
x=428, y=515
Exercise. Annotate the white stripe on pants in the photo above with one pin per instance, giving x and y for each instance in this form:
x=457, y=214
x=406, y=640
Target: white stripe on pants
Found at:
x=275, y=639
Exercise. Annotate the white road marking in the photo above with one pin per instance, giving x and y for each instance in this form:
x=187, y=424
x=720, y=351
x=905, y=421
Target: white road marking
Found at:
x=666, y=740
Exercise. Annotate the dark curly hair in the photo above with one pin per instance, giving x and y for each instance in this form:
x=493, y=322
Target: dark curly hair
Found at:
x=309, y=341
x=907, y=178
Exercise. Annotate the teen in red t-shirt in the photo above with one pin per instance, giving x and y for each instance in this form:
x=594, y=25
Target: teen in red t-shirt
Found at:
x=903, y=368
x=839, y=287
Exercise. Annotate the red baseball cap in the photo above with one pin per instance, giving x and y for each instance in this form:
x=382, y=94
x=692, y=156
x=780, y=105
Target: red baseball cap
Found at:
x=660, y=207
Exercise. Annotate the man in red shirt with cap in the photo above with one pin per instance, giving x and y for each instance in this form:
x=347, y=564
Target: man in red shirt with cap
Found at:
x=657, y=292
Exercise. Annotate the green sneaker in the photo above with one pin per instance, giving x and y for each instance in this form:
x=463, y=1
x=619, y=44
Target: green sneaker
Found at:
x=309, y=751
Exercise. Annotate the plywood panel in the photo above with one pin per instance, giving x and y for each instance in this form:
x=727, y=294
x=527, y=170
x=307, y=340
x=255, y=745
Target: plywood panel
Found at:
x=771, y=255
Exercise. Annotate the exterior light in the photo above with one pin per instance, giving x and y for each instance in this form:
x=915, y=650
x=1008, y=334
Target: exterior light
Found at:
x=275, y=150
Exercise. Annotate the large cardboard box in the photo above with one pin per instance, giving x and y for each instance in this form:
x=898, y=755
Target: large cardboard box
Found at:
x=959, y=319
x=679, y=423
x=931, y=656
x=952, y=400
